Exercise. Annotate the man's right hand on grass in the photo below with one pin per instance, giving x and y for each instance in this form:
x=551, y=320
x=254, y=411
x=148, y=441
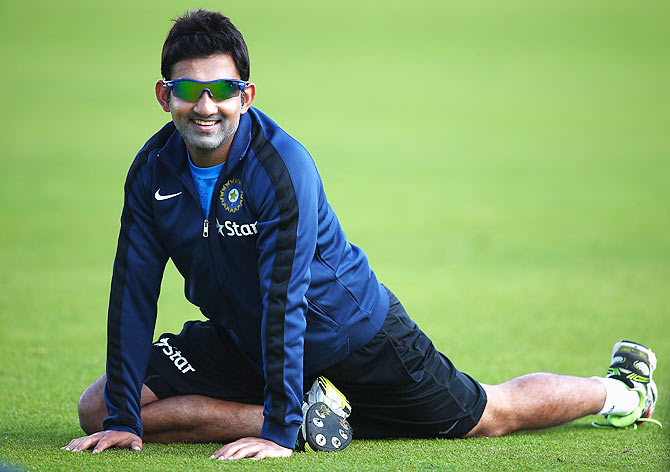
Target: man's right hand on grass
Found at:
x=105, y=439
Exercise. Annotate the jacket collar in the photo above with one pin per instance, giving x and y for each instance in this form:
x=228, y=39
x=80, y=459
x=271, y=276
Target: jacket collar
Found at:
x=173, y=154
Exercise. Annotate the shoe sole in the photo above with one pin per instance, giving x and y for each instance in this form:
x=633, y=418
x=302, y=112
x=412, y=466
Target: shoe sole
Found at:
x=324, y=430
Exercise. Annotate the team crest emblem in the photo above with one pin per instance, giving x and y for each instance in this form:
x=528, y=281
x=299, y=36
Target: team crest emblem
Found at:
x=232, y=195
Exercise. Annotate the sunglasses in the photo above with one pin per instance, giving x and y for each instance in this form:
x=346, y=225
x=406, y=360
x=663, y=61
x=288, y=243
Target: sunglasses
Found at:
x=219, y=90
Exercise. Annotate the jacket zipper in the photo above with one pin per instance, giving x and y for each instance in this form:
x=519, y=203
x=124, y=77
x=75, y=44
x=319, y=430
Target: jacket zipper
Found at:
x=217, y=188
x=188, y=182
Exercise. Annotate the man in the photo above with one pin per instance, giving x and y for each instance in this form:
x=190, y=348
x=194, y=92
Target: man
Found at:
x=240, y=208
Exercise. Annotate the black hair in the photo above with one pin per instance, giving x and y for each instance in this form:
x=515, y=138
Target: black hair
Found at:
x=201, y=33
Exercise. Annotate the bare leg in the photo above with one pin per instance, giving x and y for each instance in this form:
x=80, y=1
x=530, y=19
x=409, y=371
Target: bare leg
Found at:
x=183, y=418
x=537, y=401
x=529, y=402
x=196, y=418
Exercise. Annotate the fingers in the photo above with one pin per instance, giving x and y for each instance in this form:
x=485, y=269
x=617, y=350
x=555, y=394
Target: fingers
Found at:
x=226, y=451
x=104, y=440
x=237, y=449
x=229, y=450
x=119, y=439
x=136, y=445
x=105, y=443
x=259, y=455
x=83, y=443
x=255, y=448
x=264, y=454
x=246, y=451
x=69, y=446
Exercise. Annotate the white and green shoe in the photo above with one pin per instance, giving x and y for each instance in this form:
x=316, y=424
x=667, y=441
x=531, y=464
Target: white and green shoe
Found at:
x=633, y=364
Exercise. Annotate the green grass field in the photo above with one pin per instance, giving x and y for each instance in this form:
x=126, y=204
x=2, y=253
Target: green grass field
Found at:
x=505, y=165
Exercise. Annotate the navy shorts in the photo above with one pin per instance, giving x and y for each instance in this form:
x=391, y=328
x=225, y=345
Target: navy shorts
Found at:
x=398, y=384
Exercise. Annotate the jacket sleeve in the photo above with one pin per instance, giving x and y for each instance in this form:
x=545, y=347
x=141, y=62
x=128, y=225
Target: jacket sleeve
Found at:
x=138, y=271
x=286, y=198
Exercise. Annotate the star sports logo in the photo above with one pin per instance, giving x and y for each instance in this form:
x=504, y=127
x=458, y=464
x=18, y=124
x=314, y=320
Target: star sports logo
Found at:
x=180, y=362
x=231, y=228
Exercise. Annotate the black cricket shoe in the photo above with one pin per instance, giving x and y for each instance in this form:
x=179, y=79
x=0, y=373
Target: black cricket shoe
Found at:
x=323, y=431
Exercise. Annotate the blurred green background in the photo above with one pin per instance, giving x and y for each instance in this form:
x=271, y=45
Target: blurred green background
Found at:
x=505, y=166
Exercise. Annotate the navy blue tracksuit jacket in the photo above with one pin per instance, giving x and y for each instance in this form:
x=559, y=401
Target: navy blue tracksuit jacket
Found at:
x=270, y=263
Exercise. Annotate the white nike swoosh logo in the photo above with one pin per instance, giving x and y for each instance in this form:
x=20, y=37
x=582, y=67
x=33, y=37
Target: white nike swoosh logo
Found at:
x=164, y=197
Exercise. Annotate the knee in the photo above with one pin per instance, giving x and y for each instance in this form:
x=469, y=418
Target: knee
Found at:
x=489, y=427
x=496, y=420
x=92, y=408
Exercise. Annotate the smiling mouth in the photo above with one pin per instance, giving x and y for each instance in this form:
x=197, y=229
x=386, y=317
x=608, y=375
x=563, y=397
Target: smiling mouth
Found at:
x=205, y=122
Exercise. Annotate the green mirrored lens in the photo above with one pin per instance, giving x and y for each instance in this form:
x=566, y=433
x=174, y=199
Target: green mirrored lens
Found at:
x=219, y=90
x=188, y=90
x=223, y=90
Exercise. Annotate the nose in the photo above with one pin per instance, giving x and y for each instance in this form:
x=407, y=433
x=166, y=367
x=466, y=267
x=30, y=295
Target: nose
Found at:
x=205, y=106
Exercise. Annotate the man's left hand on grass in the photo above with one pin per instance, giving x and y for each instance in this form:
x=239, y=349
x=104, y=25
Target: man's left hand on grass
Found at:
x=256, y=448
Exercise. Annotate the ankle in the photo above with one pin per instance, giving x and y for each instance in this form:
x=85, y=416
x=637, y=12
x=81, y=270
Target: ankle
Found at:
x=619, y=399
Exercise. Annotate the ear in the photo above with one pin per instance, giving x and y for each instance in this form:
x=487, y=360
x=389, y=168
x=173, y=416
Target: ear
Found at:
x=162, y=95
x=249, y=95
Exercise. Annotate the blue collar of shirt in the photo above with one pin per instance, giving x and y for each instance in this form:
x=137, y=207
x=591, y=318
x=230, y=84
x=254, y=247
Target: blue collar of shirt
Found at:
x=204, y=172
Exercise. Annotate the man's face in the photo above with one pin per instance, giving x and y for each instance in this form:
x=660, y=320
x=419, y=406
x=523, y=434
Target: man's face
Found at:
x=207, y=126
